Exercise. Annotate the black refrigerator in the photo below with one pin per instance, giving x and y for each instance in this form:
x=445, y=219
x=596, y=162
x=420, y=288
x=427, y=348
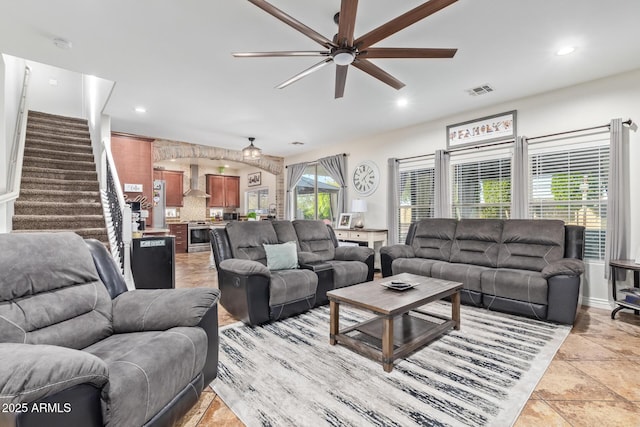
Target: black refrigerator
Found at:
x=153, y=262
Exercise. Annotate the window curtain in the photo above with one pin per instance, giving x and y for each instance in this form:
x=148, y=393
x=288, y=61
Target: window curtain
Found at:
x=394, y=206
x=617, y=241
x=336, y=166
x=520, y=177
x=294, y=173
x=442, y=205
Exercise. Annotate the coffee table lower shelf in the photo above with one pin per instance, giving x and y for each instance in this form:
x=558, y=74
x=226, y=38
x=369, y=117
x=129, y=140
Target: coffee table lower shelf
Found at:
x=386, y=338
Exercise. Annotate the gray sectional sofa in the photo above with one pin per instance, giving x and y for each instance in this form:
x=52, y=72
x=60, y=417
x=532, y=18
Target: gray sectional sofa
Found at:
x=74, y=341
x=526, y=267
x=255, y=290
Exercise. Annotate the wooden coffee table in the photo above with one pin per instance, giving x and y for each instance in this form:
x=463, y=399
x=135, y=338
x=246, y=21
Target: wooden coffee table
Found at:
x=398, y=327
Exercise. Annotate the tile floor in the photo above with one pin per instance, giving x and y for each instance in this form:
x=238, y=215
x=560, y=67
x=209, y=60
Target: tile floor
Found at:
x=594, y=380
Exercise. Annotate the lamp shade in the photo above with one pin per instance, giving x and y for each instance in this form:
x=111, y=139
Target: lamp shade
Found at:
x=358, y=205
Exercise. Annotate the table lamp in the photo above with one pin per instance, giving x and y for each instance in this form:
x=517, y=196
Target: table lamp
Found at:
x=359, y=206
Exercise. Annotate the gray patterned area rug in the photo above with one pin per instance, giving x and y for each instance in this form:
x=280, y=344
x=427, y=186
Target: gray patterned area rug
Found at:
x=287, y=374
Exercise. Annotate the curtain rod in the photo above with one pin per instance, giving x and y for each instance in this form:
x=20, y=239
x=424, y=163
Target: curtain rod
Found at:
x=415, y=157
x=629, y=122
x=315, y=161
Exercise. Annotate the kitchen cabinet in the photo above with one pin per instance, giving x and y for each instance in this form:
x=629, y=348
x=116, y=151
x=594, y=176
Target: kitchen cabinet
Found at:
x=182, y=239
x=174, y=182
x=224, y=191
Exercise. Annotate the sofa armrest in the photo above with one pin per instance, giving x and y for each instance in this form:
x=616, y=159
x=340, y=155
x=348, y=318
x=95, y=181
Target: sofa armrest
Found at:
x=29, y=372
x=245, y=267
x=162, y=309
x=309, y=258
x=353, y=253
x=565, y=266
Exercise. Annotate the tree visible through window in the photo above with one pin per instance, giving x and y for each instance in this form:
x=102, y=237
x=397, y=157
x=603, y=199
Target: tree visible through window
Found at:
x=316, y=195
x=481, y=189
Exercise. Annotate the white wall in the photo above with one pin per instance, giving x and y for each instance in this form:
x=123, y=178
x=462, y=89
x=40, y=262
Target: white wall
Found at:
x=65, y=99
x=585, y=105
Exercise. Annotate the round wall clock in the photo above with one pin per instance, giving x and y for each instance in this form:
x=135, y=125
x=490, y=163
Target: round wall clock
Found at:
x=366, y=177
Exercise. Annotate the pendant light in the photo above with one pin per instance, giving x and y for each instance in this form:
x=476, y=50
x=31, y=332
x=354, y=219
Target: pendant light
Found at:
x=251, y=152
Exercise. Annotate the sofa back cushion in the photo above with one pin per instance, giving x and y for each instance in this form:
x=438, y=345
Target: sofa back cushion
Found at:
x=248, y=237
x=531, y=244
x=477, y=242
x=314, y=236
x=433, y=238
x=50, y=291
x=285, y=232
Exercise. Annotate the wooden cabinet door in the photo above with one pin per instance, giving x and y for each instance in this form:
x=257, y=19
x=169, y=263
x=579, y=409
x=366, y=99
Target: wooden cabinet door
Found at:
x=232, y=191
x=173, y=187
x=215, y=188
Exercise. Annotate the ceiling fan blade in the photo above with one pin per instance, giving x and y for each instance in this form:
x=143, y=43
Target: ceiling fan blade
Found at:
x=347, y=22
x=401, y=22
x=402, y=52
x=292, y=22
x=341, y=80
x=304, y=73
x=280, y=53
x=378, y=73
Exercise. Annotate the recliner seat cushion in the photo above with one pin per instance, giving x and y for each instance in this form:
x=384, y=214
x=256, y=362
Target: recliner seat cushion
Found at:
x=147, y=370
x=347, y=273
x=433, y=238
x=477, y=242
x=531, y=244
x=291, y=285
x=469, y=275
x=419, y=266
x=522, y=285
x=248, y=237
x=313, y=236
x=58, y=300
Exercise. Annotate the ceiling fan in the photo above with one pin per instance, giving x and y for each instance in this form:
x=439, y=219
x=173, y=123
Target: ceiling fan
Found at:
x=345, y=50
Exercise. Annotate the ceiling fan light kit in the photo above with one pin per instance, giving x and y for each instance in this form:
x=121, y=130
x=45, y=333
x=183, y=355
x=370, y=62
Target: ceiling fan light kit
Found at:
x=345, y=50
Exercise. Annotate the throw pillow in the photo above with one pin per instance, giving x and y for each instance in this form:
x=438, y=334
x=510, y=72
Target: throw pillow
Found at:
x=281, y=257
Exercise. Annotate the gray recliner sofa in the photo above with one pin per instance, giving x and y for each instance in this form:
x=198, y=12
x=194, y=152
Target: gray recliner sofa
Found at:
x=75, y=342
x=526, y=267
x=256, y=294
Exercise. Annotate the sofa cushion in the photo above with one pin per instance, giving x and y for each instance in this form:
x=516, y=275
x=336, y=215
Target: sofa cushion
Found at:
x=522, y=285
x=531, y=244
x=288, y=286
x=347, y=273
x=477, y=242
x=147, y=370
x=467, y=274
x=285, y=232
x=50, y=291
x=419, y=266
x=313, y=236
x=282, y=256
x=248, y=237
x=433, y=238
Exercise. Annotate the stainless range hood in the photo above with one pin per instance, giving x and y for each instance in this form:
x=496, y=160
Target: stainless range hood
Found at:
x=194, y=191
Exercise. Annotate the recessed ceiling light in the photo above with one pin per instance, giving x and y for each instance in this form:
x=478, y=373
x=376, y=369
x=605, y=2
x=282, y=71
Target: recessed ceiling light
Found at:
x=62, y=43
x=402, y=102
x=140, y=110
x=53, y=82
x=566, y=50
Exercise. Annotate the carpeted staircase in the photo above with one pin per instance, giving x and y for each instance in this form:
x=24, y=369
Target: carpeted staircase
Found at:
x=59, y=190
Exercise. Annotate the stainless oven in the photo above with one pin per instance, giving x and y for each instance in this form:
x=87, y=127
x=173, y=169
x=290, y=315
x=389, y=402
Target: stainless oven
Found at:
x=198, y=240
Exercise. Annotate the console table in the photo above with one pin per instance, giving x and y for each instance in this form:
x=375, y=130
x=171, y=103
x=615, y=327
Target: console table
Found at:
x=624, y=264
x=369, y=235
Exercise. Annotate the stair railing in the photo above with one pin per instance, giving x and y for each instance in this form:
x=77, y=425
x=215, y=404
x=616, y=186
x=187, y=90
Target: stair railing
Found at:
x=17, y=148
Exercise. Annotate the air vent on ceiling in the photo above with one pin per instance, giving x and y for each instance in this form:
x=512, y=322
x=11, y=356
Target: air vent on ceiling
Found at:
x=480, y=90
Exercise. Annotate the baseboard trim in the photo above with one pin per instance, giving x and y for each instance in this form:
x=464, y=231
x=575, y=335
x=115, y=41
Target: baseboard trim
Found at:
x=604, y=304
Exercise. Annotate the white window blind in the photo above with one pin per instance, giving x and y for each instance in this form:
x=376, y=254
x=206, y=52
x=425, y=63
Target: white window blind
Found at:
x=415, y=191
x=481, y=184
x=568, y=181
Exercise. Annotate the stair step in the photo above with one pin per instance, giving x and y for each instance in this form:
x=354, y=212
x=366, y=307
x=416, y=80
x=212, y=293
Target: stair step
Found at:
x=54, y=137
x=56, y=222
x=86, y=233
x=39, y=116
x=40, y=172
x=59, y=196
x=45, y=144
x=25, y=207
x=57, y=155
x=58, y=184
x=59, y=129
x=56, y=164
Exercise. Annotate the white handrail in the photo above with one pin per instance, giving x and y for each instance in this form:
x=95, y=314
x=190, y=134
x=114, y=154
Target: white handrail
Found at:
x=17, y=149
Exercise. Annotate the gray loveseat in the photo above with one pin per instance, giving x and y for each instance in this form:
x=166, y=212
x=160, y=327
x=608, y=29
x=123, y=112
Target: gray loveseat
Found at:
x=527, y=267
x=255, y=293
x=75, y=342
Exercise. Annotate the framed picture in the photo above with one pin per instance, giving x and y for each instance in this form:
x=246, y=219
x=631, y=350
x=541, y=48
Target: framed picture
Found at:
x=255, y=179
x=482, y=131
x=344, y=221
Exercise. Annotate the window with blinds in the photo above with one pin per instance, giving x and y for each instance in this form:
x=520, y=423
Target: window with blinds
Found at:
x=481, y=186
x=415, y=192
x=568, y=181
